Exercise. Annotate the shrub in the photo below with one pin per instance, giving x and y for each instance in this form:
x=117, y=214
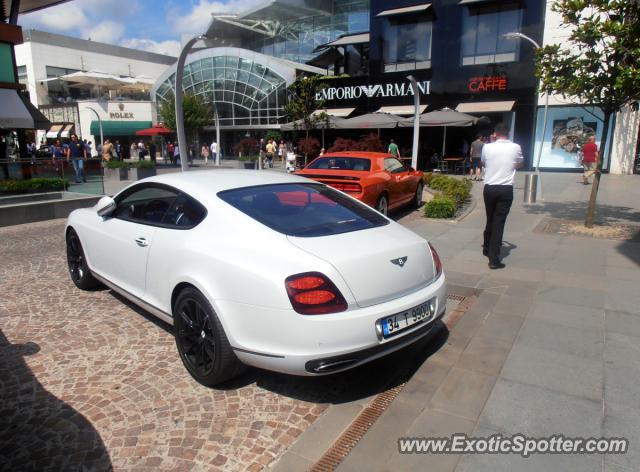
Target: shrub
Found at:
x=371, y=143
x=272, y=134
x=342, y=145
x=454, y=190
x=113, y=164
x=310, y=147
x=33, y=185
x=247, y=147
x=244, y=158
x=143, y=164
x=441, y=206
x=427, y=178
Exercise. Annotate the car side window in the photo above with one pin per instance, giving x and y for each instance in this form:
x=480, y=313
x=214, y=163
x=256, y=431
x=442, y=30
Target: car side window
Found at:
x=146, y=205
x=393, y=165
x=184, y=213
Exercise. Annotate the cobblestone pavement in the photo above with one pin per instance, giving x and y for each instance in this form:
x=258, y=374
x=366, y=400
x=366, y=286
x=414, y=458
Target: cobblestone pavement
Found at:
x=90, y=382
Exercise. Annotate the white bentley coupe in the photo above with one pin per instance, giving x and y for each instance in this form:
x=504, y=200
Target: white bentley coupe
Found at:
x=260, y=268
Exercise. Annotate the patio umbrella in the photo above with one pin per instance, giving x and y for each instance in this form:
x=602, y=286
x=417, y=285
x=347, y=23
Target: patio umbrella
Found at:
x=330, y=123
x=156, y=130
x=95, y=78
x=445, y=117
x=371, y=121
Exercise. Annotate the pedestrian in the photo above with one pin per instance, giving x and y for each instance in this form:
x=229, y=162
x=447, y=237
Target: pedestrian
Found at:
x=590, y=159
x=282, y=150
x=142, y=151
x=152, y=152
x=476, y=158
x=31, y=150
x=393, y=150
x=176, y=154
x=500, y=159
x=170, y=149
x=77, y=152
x=214, y=151
x=271, y=150
x=58, y=153
x=322, y=151
x=117, y=150
x=133, y=150
x=107, y=150
x=204, y=154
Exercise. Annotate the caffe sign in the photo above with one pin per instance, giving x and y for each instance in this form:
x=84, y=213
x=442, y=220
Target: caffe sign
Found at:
x=393, y=89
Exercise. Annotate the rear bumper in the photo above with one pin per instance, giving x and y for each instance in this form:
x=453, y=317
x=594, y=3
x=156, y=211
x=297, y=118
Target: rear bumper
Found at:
x=285, y=341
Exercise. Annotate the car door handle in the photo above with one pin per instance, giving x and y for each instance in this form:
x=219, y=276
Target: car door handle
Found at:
x=142, y=242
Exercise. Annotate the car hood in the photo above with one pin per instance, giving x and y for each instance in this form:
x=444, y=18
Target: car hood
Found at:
x=378, y=264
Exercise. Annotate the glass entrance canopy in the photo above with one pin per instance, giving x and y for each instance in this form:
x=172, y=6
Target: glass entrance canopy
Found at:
x=247, y=88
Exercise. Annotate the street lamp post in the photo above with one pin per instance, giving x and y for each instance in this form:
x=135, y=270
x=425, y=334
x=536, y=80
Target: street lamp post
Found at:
x=99, y=124
x=182, y=139
x=516, y=35
x=416, y=120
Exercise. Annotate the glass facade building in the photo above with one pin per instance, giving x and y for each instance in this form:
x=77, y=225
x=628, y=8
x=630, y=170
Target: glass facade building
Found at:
x=244, y=91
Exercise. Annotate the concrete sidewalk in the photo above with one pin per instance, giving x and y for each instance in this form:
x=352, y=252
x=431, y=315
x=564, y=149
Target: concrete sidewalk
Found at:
x=551, y=346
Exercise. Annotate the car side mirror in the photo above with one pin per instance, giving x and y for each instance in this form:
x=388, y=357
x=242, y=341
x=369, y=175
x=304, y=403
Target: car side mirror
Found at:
x=105, y=206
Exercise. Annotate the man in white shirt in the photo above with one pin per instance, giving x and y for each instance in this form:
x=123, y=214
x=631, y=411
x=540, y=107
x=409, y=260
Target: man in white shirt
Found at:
x=500, y=159
x=214, y=151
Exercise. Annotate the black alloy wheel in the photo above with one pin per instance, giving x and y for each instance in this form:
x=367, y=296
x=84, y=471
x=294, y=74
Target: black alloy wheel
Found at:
x=383, y=204
x=77, y=263
x=201, y=341
x=417, y=198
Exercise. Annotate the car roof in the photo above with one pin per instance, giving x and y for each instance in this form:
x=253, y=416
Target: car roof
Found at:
x=205, y=184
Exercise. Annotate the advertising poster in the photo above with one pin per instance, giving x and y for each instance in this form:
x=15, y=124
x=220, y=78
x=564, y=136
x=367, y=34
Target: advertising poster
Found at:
x=568, y=128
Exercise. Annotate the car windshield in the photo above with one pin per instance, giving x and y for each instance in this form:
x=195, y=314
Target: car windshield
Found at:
x=344, y=163
x=304, y=210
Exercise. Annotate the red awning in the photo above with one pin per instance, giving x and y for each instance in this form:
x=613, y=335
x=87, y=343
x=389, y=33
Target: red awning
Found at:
x=154, y=131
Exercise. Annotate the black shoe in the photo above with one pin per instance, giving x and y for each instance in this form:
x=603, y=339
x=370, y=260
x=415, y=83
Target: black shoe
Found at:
x=496, y=265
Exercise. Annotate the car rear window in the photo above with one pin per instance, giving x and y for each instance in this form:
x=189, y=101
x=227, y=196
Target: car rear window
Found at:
x=344, y=163
x=303, y=210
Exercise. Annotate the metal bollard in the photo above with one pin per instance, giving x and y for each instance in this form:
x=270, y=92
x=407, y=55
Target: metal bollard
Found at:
x=530, y=188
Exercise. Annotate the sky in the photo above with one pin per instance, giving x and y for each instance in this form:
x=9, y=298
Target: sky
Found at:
x=150, y=25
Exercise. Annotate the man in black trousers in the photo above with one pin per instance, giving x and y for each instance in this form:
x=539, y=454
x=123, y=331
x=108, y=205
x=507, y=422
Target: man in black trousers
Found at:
x=500, y=159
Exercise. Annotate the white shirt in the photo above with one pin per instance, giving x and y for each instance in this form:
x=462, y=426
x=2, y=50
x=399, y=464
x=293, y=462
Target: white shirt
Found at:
x=500, y=160
x=214, y=147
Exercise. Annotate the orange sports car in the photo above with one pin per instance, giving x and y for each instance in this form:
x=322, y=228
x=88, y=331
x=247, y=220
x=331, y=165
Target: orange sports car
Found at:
x=377, y=179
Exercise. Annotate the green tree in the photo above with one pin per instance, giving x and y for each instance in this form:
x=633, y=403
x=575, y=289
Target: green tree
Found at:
x=598, y=64
x=303, y=102
x=197, y=113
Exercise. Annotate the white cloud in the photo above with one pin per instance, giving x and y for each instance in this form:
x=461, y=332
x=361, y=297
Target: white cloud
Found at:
x=101, y=20
x=169, y=47
x=197, y=20
x=105, y=32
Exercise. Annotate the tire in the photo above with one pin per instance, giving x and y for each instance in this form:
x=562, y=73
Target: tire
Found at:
x=382, y=205
x=77, y=263
x=202, y=344
x=417, y=197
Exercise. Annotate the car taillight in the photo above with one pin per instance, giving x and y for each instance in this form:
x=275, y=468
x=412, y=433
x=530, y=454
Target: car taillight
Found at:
x=312, y=293
x=347, y=188
x=437, y=263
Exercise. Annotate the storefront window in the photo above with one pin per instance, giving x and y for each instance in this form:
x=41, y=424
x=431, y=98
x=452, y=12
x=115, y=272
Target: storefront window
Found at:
x=568, y=128
x=407, y=43
x=483, y=30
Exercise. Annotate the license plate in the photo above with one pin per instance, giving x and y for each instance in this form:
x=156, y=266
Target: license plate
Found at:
x=419, y=314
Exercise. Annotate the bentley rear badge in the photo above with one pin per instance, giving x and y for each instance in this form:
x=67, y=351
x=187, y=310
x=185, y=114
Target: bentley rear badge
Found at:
x=399, y=261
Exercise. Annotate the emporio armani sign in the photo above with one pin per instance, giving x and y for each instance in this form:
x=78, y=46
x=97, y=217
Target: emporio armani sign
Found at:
x=394, y=89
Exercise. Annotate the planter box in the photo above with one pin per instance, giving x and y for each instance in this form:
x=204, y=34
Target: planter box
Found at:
x=141, y=173
x=115, y=174
x=249, y=164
